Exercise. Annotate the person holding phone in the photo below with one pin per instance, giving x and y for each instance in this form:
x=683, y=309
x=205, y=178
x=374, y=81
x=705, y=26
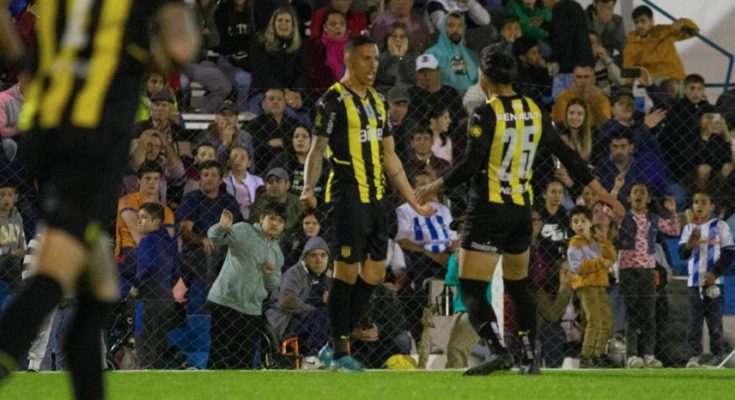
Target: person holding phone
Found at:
x=712, y=151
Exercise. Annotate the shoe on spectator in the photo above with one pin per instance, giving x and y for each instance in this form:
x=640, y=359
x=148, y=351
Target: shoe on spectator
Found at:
x=603, y=361
x=652, y=362
x=587, y=362
x=31, y=370
x=494, y=362
x=326, y=354
x=635, y=362
x=346, y=364
x=693, y=363
x=714, y=361
x=312, y=362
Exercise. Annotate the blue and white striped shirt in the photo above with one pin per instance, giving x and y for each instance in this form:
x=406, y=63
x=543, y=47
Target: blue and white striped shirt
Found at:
x=716, y=235
x=432, y=233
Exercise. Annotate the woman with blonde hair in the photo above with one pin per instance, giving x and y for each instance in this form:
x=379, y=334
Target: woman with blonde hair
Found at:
x=577, y=125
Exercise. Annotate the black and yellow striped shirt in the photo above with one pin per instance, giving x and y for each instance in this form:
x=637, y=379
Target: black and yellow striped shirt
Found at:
x=355, y=127
x=91, y=58
x=504, y=135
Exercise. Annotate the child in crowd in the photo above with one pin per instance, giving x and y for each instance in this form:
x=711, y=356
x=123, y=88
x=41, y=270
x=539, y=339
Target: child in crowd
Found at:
x=708, y=244
x=639, y=228
x=12, y=237
x=590, y=256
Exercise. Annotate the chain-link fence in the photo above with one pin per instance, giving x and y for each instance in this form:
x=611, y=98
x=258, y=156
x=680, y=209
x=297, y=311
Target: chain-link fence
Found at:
x=278, y=316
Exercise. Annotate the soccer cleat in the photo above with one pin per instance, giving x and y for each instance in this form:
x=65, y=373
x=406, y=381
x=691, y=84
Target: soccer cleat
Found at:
x=326, y=354
x=652, y=362
x=635, y=362
x=494, y=362
x=530, y=367
x=346, y=364
x=693, y=363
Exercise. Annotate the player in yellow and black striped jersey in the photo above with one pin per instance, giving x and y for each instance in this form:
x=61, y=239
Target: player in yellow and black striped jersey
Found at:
x=504, y=135
x=92, y=55
x=352, y=126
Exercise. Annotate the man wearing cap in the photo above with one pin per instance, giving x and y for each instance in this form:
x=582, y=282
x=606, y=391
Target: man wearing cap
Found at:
x=277, y=185
x=429, y=92
x=399, y=103
x=162, y=105
x=225, y=132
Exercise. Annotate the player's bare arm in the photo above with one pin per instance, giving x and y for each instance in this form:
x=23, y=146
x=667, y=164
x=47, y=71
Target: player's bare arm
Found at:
x=397, y=177
x=313, y=169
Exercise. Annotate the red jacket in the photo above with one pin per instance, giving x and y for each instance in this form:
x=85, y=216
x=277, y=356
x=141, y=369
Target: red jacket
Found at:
x=356, y=23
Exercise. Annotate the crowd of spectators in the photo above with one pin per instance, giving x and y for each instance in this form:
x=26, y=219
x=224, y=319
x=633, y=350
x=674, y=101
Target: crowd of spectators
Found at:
x=253, y=258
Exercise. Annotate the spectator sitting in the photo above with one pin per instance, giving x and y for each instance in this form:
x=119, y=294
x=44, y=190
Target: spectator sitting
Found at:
x=12, y=236
x=356, y=21
x=438, y=126
x=235, y=21
x=127, y=233
x=225, y=132
x=569, y=39
x=607, y=73
x=726, y=107
x=293, y=160
x=11, y=101
x=590, y=256
x=239, y=183
x=534, y=79
x=619, y=166
x=470, y=10
x=532, y=15
x=399, y=11
x=707, y=243
x=637, y=274
x=155, y=83
x=251, y=269
x=461, y=70
x=584, y=87
x=652, y=46
x=608, y=27
x=326, y=53
x=713, y=157
x=271, y=129
x=152, y=146
x=157, y=270
x=399, y=103
x=280, y=55
x=202, y=152
x=300, y=303
x=198, y=211
x=165, y=121
x=277, y=185
x=510, y=31
x=397, y=62
x=577, y=125
x=293, y=246
x=422, y=158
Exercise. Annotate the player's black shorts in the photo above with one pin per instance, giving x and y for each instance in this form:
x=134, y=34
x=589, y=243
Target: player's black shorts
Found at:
x=497, y=228
x=358, y=229
x=79, y=173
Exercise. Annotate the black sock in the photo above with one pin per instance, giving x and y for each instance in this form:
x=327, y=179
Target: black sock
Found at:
x=20, y=322
x=524, y=310
x=338, y=306
x=360, y=303
x=480, y=312
x=83, y=348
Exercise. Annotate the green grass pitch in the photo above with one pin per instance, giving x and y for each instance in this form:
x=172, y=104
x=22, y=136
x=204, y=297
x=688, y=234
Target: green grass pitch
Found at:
x=383, y=385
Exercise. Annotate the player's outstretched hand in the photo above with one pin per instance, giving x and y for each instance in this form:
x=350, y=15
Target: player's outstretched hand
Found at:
x=308, y=197
x=423, y=209
x=428, y=192
x=617, y=208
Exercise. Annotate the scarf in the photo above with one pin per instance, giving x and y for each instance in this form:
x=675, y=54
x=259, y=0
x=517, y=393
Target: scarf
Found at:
x=335, y=49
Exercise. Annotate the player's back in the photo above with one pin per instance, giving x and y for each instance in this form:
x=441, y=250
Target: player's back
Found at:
x=91, y=58
x=355, y=127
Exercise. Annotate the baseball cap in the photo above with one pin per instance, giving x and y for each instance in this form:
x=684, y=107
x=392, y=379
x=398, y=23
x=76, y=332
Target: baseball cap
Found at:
x=398, y=94
x=163, y=95
x=278, y=172
x=426, y=61
x=227, y=107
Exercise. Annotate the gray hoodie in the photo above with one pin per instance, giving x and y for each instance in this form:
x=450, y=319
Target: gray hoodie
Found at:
x=296, y=282
x=11, y=232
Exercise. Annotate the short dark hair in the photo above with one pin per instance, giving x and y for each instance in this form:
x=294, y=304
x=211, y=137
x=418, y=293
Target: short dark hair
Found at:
x=508, y=20
x=212, y=164
x=241, y=147
x=641, y=11
x=155, y=210
x=621, y=133
x=577, y=210
x=275, y=208
x=497, y=65
x=204, y=144
x=421, y=130
x=332, y=12
x=703, y=192
x=149, y=166
x=358, y=41
x=693, y=78
x=553, y=180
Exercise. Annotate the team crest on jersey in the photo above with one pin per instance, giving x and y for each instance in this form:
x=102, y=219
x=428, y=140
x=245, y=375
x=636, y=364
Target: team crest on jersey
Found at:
x=475, y=131
x=345, y=251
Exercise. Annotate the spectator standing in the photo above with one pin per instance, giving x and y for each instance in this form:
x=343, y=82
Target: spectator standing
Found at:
x=235, y=21
x=327, y=52
x=607, y=72
x=707, y=242
x=251, y=269
x=569, y=40
x=239, y=182
x=11, y=101
x=356, y=20
x=608, y=27
x=713, y=156
x=12, y=236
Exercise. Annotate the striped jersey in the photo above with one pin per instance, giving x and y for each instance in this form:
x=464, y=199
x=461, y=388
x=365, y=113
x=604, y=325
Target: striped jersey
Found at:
x=715, y=236
x=504, y=135
x=91, y=59
x=355, y=127
x=432, y=233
